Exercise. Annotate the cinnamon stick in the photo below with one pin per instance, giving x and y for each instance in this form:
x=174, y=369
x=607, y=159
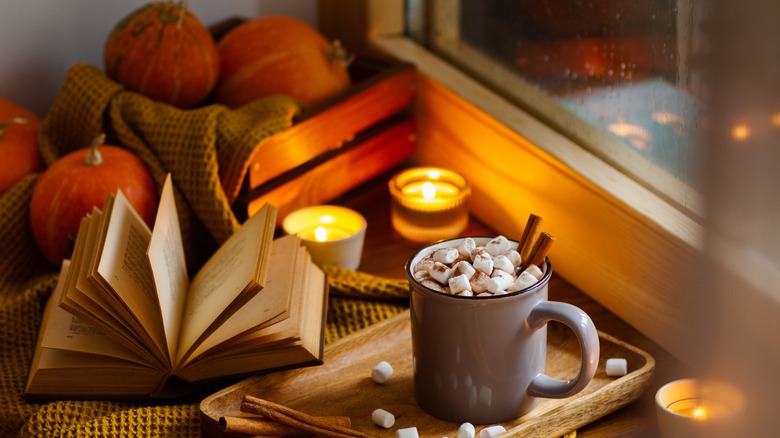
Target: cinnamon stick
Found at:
x=262, y=427
x=541, y=248
x=533, y=227
x=299, y=420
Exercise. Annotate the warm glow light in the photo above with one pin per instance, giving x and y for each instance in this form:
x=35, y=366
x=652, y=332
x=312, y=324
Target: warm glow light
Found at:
x=333, y=235
x=700, y=413
x=666, y=118
x=740, y=132
x=776, y=119
x=429, y=204
x=637, y=135
x=428, y=190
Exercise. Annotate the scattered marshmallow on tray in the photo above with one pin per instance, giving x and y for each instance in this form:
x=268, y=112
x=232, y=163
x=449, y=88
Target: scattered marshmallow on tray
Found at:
x=466, y=430
x=491, y=431
x=382, y=418
x=473, y=270
x=617, y=367
x=381, y=372
x=409, y=432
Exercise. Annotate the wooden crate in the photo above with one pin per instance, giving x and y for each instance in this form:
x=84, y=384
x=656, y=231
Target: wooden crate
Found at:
x=333, y=147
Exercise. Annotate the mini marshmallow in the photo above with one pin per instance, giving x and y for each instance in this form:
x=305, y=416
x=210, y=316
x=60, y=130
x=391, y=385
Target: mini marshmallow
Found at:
x=499, y=282
x=491, y=431
x=524, y=280
x=433, y=284
x=479, y=282
x=617, y=367
x=440, y=272
x=423, y=265
x=513, y=257
x=498, y=245
x=445, y=255
x=466, y=246
x=409, y=432
x=459, y=284
x=463, y=267
x=381, y=372
x=502, y=262
x=421, y=275
x=466, y=430
x=466, y=293
x=483, y=261
x=535, y=271
x=382, y=418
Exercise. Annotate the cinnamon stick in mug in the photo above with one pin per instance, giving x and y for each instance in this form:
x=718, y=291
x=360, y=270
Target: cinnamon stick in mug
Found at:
x=530, y=233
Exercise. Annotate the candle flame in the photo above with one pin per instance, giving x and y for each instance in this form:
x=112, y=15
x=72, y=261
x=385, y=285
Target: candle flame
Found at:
x=700, y=413
x=321, y=234
x=434, y=174
x=428, y=190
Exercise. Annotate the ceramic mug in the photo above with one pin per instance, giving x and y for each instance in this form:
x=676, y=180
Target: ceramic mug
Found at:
x=482, y=359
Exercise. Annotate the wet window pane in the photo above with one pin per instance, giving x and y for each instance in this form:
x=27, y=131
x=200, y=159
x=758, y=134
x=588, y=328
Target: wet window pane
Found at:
x=620, y=78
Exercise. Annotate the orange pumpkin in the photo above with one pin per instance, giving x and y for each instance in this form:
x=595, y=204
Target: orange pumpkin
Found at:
x=279, y=55
x=18, y=144
x=79, y=181
x=164, y=52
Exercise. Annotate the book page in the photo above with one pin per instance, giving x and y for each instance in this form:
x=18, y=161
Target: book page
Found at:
x=237, y=269
x=61, y=330
x=169, y=267
x=270, y=305
x=125, y=267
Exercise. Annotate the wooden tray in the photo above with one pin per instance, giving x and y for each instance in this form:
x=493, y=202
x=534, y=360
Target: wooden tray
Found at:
x=343, y=385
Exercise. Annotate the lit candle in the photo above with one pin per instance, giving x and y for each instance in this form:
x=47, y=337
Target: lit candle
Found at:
x=333, y=235
x=690, y=407
x=323, y=233
x=429, y=203
x=698, y=409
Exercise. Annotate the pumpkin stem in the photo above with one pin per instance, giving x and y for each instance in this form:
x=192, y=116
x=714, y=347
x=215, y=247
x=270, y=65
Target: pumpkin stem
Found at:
x=93, y=157
x=182, y=10
x=337, y=52
x=6, y=123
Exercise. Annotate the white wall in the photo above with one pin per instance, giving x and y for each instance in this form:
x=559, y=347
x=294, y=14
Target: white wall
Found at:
x=41, y=39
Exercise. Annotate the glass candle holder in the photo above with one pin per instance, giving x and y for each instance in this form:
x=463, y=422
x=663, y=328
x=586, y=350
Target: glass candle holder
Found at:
x=429, y=203
x=333, y=235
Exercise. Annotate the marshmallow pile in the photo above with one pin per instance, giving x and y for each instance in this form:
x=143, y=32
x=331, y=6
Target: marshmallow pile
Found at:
x=471, y=270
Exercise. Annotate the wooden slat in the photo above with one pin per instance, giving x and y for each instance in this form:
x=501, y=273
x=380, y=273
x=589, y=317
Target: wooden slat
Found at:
x=327, y=128
x=337, y=174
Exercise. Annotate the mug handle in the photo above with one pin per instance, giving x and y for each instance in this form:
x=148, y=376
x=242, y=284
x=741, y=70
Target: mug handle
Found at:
x=580, y=323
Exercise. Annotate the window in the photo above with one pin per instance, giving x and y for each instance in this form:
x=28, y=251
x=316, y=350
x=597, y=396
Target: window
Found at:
x=635, y=250
x=621, y=79
x=645, y=251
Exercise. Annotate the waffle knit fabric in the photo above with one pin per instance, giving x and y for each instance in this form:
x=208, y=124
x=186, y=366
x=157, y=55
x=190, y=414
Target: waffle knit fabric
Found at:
x=206, y=150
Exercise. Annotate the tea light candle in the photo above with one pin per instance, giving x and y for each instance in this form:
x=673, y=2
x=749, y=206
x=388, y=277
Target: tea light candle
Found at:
x=698, y=409
x=429, y=203
x=689, y=407
x=333, y=235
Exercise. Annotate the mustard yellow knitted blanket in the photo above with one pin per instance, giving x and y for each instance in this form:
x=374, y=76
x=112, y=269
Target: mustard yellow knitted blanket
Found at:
x=206, y=150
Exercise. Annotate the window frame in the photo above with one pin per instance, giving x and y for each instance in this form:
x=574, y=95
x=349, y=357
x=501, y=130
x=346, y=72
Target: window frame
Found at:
x=646, y=248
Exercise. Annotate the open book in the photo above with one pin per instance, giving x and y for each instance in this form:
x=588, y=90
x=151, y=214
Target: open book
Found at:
x=125, y=318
